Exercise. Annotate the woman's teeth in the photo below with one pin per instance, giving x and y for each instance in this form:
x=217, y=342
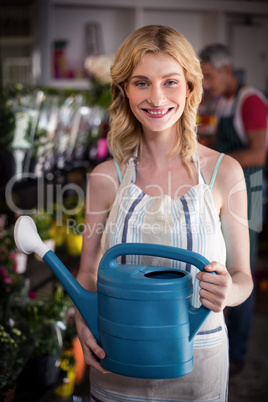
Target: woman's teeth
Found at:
x=157, y=112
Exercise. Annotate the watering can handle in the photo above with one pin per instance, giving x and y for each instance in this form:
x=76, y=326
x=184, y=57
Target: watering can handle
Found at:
x=196, y=315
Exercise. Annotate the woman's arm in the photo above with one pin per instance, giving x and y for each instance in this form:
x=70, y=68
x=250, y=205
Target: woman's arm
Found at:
x=101, y=192
x=232, y=285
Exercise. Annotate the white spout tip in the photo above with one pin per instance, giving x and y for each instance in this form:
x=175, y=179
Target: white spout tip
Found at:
x=26, y=237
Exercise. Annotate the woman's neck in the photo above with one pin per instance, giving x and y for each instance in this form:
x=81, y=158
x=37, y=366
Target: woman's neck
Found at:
x=157, y=149
x=159, y=157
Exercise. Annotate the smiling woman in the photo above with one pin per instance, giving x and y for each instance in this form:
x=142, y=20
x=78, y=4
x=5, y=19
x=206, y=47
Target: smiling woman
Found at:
x=184, y=68
x=155, y=192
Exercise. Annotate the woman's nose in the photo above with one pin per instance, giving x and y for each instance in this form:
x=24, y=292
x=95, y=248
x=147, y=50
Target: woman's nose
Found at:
x=156, y=96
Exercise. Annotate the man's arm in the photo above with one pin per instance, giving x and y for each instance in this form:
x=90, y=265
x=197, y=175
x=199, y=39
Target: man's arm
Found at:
x=254, y=114
x=255, y=153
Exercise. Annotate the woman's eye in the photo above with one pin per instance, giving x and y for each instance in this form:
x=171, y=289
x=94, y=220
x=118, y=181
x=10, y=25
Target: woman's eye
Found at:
x=140, y=84
x=171, y=82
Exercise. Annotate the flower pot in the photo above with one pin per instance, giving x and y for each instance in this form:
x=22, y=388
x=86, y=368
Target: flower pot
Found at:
x=9, y=395
x=41, y=372
x=21, y=260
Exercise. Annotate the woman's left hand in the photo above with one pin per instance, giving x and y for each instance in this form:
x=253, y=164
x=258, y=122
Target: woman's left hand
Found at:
x=215, y=289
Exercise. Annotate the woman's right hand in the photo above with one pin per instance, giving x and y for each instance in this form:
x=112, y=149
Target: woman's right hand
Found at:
x=93, y=353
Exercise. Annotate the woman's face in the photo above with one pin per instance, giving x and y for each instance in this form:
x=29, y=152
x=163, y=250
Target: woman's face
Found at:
x=157, y=92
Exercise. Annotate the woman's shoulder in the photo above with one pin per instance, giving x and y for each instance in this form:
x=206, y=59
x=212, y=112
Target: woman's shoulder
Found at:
x=106, y=174
x=105, y=167
x=109, y=168
x=229, y=177
x=229, y=170
x=103, y=183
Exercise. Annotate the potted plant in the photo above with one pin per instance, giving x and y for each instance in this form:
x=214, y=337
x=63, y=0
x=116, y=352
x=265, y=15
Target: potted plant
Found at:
x=12, y=283
x=14, y=348
x=98, y=68
x=14, y=351
x=46, y=320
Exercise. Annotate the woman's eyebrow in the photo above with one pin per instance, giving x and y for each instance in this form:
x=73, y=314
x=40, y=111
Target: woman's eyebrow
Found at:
x=140, y=77
x=172, y=75
x=144, y=77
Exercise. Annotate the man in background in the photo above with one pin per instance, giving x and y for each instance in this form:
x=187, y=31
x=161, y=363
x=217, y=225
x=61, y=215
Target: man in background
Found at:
x=242, y=132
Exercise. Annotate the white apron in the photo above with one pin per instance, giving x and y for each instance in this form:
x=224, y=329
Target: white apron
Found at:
x=190, y=222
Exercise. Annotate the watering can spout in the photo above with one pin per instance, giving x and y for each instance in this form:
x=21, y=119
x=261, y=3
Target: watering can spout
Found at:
x=197, y=316
x=28, y=241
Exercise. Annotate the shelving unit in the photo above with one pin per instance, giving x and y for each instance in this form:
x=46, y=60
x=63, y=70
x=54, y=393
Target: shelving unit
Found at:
x=201, y=21
x=16, y=43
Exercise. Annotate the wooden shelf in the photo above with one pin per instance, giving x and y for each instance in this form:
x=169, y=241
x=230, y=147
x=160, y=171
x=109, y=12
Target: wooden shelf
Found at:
x=73, y=83
x=16, y=41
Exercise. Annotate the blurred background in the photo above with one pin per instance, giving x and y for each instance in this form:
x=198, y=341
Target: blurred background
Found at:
x=55, y=90
x=46, y=42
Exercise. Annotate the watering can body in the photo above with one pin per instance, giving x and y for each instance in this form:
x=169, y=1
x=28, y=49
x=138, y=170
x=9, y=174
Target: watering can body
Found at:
x=141, y=315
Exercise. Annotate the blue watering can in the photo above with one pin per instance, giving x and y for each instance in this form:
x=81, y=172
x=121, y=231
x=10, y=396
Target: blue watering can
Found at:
x=141, y=315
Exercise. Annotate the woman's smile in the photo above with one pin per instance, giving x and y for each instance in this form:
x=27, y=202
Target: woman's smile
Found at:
x=158, y=113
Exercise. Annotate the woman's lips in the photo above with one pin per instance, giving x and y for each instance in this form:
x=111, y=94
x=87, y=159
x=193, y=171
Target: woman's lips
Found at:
x=157, y=113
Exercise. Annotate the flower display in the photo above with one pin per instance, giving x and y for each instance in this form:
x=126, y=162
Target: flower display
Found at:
x=98, y=68
x=10, y=281
x=14, y=350
x=14, y=347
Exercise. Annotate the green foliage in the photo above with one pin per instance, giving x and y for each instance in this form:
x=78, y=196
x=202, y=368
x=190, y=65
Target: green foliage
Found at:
x=7, y=121
x=75, y=209
x=10, y=282
x=45, y=318
x=44, y=222
x=14, y=350
x=101, y=93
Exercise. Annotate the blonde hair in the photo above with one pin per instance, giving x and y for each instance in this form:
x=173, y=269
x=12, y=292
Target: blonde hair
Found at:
x=125, y=130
